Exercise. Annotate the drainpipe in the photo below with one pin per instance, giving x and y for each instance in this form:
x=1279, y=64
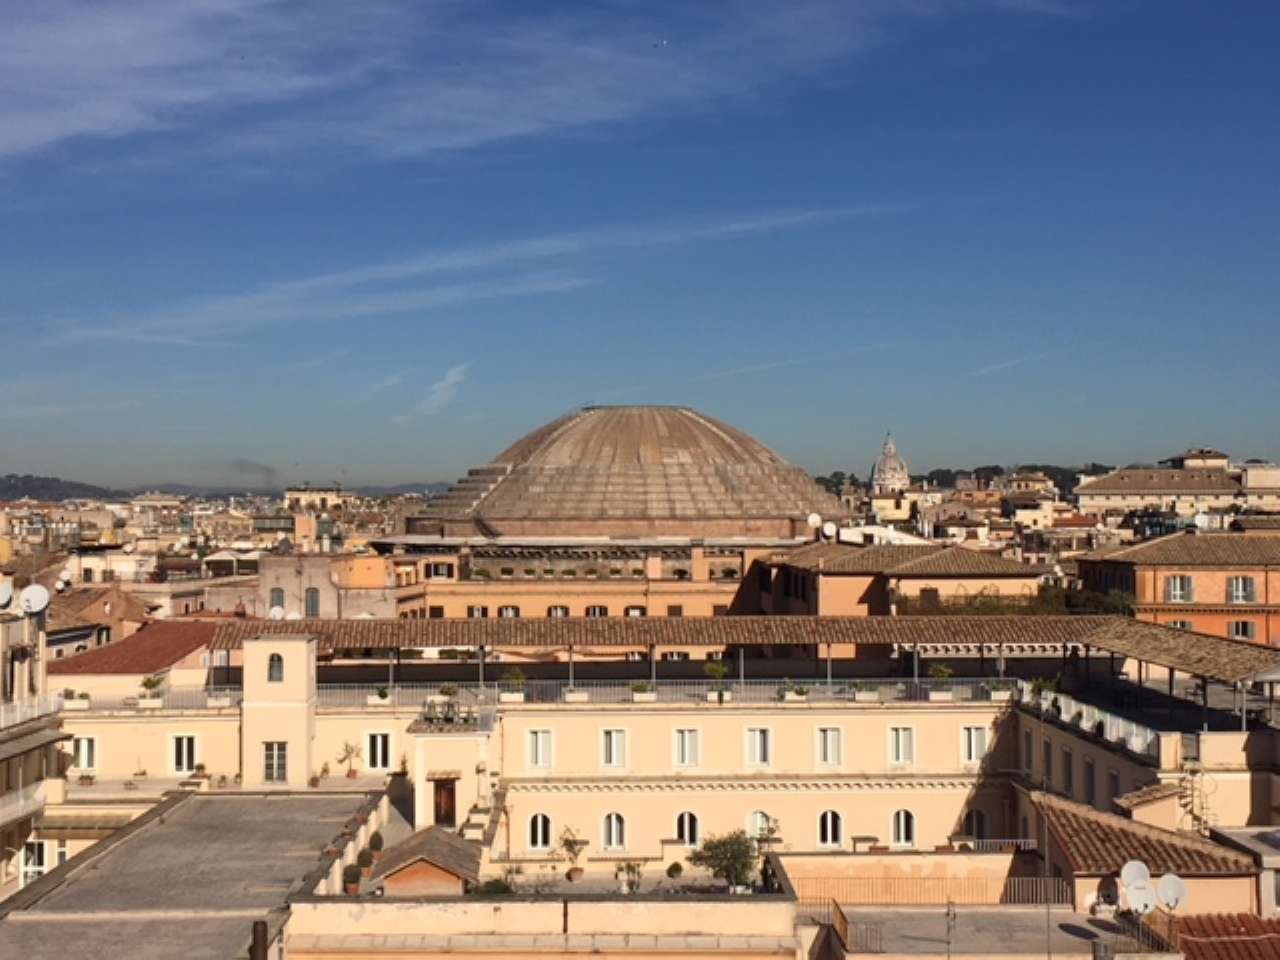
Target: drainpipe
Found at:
x=258, y=945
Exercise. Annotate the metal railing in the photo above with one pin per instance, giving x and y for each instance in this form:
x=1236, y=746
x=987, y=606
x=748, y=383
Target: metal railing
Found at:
x=178, y=698
x=1062, y=708
x=999, y=845
x=930, y=891
x=21, y=803
x=12, y=714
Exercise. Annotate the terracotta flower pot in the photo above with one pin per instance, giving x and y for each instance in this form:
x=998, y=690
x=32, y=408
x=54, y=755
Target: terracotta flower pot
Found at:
x=574, y=874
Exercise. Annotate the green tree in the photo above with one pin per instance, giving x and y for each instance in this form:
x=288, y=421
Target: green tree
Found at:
x=731, y=856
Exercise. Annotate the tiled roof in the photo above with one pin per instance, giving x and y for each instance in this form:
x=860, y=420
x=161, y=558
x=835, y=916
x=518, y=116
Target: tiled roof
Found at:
x=1196, y=654
x=1192, y=549
x=1269, y=521
x=1101, y=843
x=155, y=647
x=1160, y=790
x=907, y=560
x=1235, y=936
x=435, y=845
x=1134, y=480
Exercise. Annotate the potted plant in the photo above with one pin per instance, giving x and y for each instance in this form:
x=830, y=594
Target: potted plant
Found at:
x=375, y=845
x=730, y=857
x=572, y=847
x=628, y=874
x=866, y=692
x=220, y=699
x=150, y=689
x=351, y=879
x=941, y=672
x=378, y=698
x=86, y=779
x=324, y=770
x=72, y=701
x=642, y=691
x=513, y=680
x=675, y=870
x=717, y=671
x=313, y=782
x=791, y=692
x=222, y=780
x=364, y=860
x=349, y=754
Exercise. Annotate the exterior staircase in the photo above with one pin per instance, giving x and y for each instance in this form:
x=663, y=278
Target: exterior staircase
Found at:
x=1193, y=798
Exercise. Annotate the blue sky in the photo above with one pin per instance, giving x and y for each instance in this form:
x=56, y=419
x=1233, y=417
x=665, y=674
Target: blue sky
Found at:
x=376, y=242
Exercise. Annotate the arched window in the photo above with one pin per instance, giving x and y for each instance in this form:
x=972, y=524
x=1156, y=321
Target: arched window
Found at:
x=830, y=829
x=277, y=597
x=275, y=668
x=904, y=828
x=975, y=825
x=313, y=603
x=759, y=825
x=687, y=829
x=615, y=832
x=539, y=832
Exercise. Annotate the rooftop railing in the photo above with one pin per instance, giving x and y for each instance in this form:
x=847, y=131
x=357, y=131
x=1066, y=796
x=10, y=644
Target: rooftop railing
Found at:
x=1093, y=721
x=12, y=714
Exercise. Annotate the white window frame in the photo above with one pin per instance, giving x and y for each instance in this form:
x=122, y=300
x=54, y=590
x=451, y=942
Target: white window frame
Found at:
x=1179, y=595
x=754, y=820
x=1247, y=592
x=597, y=611
x=557, y=611
x=753, y=741
x=550, y=833
x=1181, y=624
x=369, y=751
x=971, y=757
x=32, y=872
x=611, y=837
x=694, y=737
x=827, y=819
x=534, y=754
x=77, y=754
x=683, y=819
x=173, y=753
x=824, y=756
x=1250, y=633
x=508, y=611
x=895, y=839
x=613, y=748
x=275, y=762
x=896, y=757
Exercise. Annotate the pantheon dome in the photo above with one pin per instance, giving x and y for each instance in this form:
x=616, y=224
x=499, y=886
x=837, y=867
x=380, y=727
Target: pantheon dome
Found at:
x=634, y=471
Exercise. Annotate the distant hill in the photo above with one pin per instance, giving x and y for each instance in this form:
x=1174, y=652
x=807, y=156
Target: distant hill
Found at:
x=15, y=486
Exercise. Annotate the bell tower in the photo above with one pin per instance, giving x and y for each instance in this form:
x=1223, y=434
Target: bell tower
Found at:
x=278, y=714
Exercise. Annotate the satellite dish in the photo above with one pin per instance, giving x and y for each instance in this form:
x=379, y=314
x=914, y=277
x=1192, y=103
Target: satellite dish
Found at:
x=65, y=574
x=294, y=616
x=60, y=585
x=814, y=521
x=33, y=599
x=1142, y=899
x=829, y=530
x=1135, y=874
x=1172, y=890
x=277, y=613
x=6, y=593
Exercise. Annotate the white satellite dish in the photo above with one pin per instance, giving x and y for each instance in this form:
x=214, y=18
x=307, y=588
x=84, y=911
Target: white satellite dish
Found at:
x=294, y=616
x=65, y=574
x=815, y=520
x=1142, y=899
x=60, y=585
x=829, y=530
x=277, y=613
x=1135, y=874
x=33, y=599
x=1172, y=890
x=6, y=593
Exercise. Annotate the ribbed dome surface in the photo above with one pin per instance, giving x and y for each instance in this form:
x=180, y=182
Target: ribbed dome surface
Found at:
x=647, y=464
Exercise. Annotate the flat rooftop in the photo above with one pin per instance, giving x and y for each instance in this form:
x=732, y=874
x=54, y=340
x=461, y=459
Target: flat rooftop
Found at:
x=187, y=879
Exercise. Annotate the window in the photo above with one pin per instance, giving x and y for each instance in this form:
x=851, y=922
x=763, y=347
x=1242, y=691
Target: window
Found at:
x=85, y=752
x=62, y=853
x=975, y=744
x=719, y=609
x=477, y=612
x=539, y=748
x=687, y=829
x=1178, y=589
x=904, y=828
x=275, y=668
x=312, y=600
x=275, y=768
x=760, y=825
x=686, y=748
x=759, y=746
x=442, y=570
x=830, y=829
x=1090, y=788
x=87, y=576
x=1241, y=590
x=435, y=613
x=1027, y=760
x=902, y=745
x=671, y=655
x=184, y=753
x=1068, y=773
x=1242, y=630
x=615, y=832
x=509, y=612
x=32, y=861
x=379, y=752
x=539, y=832
x=277, y=597
x=635, y=612
x=829, y=746
x=596, y=611
x=675, y=610
x=1113, y=783
x=1046, y=760
x=558, y=611
x=1181, y=624
x=975, y=825
x=613, y=752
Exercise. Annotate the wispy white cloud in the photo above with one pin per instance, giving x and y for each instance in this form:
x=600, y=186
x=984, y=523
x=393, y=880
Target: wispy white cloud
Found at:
x=1006, y=364
x=379, y=79
x=440, y=394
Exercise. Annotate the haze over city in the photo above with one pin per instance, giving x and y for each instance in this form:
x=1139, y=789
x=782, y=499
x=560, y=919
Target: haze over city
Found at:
x=373, y=242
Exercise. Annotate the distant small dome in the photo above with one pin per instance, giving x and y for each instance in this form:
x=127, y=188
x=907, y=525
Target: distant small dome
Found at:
x=890, y=474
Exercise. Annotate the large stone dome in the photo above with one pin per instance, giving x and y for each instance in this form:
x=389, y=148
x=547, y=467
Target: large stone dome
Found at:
x=636, y=471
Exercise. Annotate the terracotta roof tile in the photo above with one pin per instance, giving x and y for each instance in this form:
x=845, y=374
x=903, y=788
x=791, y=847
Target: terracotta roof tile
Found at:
x=1101, y=843
x=1134, y=480
x=1160, y=790
x=906, y=560
x=1192, y=549
x=1237, y=936
x=435, y=845
x=155, y=647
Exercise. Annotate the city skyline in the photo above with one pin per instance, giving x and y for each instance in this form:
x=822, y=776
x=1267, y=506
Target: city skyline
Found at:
x=342, y=247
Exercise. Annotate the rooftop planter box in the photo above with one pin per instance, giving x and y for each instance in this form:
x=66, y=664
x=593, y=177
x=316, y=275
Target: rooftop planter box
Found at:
x=941, y=696
x=720, y=696
x=644, y=696
x=379, y=698
x=1001, y=696
x=76, y=704
x=795, y=696
x=218, y=701
x=511, y=696
x=577, y=696
x=867, y=696
x=150, y=703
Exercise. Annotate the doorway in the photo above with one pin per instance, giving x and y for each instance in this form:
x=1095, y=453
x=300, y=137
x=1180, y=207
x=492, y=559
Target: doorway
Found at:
x=445, y=802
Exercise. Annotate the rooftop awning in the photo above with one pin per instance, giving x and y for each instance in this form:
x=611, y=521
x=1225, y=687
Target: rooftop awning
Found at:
x=32, y=741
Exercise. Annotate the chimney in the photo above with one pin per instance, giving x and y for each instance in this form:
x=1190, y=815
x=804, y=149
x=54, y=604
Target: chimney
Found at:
x=258, y=945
